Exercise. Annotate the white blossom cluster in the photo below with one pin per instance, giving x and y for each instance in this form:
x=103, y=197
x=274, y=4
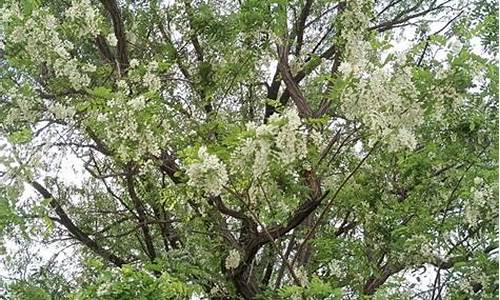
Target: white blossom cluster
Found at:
x=104, y=289
x=481, y=197
x=61, y=112
x=209, y=173
x=281, y=137
x=233, y=259
x=83, y=11
x=40, y=35
x=336, y=268
x=72, y=70
x=354, y=22
x=135, y=133
x=24, y=106
x=383, y=100
x=289, y=140
x=151, y=79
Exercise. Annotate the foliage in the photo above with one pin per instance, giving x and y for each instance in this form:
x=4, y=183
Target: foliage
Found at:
x=253, y=149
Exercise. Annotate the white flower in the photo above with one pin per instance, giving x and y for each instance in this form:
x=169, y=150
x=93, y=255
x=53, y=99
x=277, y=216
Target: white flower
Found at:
x=134, y=63
x=61, y=112
x=262, y=151
x=153, y=66
x=152, y=81
x=405, y=138
x=123, y=85
x=209, y=174
x=50, y=22
x=478, y=180
x=61, y=51
x=335, y=267
x=111, y=38
x=233, y=259
x=345, y=68
x=137, y=102
x=103, y=289
x=290, y=142
x=83, y=10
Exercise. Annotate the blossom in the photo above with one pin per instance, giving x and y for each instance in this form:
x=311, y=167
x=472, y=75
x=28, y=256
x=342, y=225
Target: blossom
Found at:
x=70, y=69
x=152, y=81
x=289, y=140
x=281, y=137
x=345, y=68
x=209, y=174
x=61, y=51
x=478, y=180
x=134, y=63
x=51, y=22
x=481, y=198
x=60, y=111
x=137, y=102
x=233, y=259
x=111, y=38
x=83, y=10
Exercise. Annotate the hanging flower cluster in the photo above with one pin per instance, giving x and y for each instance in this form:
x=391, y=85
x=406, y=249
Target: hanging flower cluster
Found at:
x=281, y=137
x=382, y=98
x=209, y=173
x=41, y=35
x=482, y=196
x=233, y=259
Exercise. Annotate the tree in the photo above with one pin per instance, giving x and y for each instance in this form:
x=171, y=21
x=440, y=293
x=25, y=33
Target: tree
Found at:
x=251, y=149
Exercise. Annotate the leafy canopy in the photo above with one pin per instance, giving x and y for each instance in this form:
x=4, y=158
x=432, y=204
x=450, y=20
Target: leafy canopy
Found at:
x=252, y=149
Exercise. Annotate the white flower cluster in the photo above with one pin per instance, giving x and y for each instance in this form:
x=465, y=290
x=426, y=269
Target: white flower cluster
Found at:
x=283, y=132
x=291, y=147
x=104, y=289
x=112, y=40
x=61, y=111
x=71, y=70
x=384, y=103
x=135, y=133
x=8, y=12
x=151, y=79
x=482, y=198
x=336, y=268
x=317, y=139
x=209, y=174
x=40, y=36
x=302, y=276
x=354, y=22
x=82, y=10
x=383, y=100
x=233, y=259
x=24, y=108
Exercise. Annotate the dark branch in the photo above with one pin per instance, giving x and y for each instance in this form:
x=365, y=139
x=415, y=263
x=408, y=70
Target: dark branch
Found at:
x=75, y=231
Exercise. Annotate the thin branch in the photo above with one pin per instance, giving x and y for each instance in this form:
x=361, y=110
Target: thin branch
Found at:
x=331, y=202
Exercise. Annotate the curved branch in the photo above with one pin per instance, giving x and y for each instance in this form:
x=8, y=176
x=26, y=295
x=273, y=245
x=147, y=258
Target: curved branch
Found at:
x=66, y=221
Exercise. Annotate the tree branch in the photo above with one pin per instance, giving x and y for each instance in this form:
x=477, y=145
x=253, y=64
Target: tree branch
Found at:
x=66, y=221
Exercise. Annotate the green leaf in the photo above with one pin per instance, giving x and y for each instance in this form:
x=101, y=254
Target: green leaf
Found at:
x=21, y=136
